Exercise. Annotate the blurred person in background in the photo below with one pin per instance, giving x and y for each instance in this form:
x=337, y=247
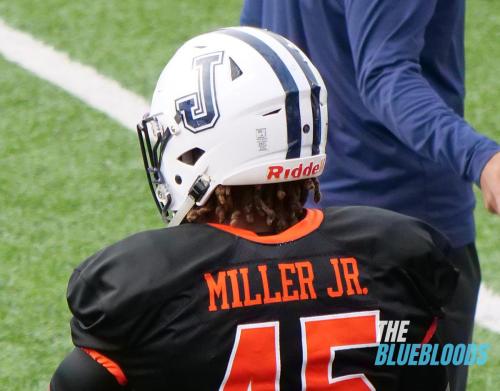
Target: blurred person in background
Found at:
x=246, y=288
x=394, y=71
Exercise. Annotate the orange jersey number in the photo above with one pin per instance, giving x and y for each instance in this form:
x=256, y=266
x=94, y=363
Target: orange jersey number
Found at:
x=255, y=359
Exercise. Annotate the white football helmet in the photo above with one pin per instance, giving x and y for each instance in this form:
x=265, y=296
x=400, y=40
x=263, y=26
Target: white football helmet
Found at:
x=237, y=106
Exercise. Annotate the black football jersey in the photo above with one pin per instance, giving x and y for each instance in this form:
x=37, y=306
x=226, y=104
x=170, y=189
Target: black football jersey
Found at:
x=210, y=307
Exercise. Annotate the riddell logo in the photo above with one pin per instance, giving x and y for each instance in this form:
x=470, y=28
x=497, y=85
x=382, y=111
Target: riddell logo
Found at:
x=301, y=171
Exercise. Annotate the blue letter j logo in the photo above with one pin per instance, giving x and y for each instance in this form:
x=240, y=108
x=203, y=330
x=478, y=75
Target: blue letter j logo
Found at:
x=199, y=110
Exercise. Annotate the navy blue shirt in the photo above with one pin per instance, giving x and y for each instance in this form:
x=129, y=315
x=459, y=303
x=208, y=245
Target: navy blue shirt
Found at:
x=395, y=77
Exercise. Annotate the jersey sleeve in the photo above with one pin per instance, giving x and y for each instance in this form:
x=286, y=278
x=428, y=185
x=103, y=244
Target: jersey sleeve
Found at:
x=79, y=372
x=118, y=295
x=386, y=39
x=115, y=291
x=418, y=254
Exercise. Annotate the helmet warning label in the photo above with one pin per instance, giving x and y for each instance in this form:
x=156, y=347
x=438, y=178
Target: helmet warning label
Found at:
x=261, y=138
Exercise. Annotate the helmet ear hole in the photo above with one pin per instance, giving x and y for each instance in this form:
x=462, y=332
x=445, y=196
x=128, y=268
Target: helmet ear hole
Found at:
x=178, y=179
x=191, y=157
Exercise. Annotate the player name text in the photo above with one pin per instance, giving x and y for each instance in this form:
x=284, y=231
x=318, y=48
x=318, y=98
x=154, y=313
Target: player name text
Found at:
x=250, y=286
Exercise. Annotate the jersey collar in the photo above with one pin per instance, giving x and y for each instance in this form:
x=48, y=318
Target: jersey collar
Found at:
x=308, y=224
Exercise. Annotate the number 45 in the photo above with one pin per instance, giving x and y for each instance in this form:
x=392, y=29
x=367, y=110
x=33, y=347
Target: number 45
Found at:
x=255, y=364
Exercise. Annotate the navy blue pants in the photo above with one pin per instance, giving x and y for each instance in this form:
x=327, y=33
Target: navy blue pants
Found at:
x=459, y=323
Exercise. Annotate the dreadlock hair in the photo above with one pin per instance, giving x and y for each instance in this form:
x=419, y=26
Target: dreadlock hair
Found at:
x=280, y=204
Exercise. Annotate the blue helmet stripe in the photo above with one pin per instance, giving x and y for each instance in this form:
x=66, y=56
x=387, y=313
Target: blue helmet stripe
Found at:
x=315, y=91
x=292, y=108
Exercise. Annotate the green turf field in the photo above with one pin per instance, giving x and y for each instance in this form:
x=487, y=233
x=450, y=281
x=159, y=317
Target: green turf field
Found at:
x=72, y=180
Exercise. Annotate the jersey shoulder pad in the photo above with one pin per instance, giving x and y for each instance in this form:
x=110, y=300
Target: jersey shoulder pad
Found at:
x=118, y=286
x=387, y=230
x=396, y=244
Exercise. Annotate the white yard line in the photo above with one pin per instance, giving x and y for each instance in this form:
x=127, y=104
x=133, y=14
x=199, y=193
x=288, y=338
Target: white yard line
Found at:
x=82, y=81
x=127, y=108
x=488, y=309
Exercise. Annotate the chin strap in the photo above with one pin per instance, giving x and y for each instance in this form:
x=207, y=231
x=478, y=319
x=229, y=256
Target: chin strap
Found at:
x=196, y=193
x=182, y=211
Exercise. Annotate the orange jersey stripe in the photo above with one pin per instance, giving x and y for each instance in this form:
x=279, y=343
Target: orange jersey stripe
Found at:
x=430, y=331
x=111, y=366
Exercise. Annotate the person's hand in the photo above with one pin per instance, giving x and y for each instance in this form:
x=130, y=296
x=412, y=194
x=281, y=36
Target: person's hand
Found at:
x=490, y=184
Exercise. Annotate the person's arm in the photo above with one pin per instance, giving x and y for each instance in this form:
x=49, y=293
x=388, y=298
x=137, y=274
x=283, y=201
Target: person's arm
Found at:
x=80, y=372
x=386, y=39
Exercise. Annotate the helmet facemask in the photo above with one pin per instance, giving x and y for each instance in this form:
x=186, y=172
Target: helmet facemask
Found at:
x=152, y=158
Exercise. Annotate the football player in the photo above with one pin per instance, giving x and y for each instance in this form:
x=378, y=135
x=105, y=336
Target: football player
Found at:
x=246, y=289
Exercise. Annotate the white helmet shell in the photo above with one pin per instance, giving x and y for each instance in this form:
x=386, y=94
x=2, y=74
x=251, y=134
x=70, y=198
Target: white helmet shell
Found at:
x=241, y=106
